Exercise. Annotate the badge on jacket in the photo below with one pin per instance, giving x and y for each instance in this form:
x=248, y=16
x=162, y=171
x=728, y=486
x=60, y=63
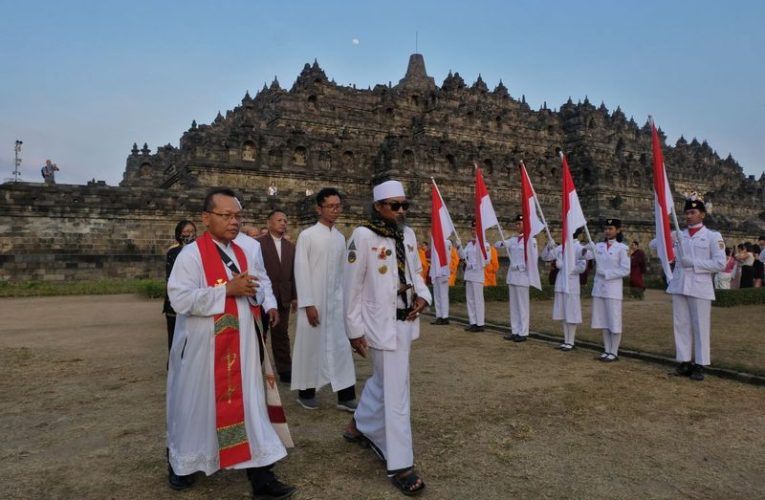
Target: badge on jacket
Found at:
x=351, y=257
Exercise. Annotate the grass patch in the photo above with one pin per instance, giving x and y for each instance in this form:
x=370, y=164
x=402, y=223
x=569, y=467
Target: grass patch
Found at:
x=739, y=297
x=150, y=288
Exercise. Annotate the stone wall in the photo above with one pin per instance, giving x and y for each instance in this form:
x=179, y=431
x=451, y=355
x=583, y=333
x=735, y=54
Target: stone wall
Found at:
x=319, y=134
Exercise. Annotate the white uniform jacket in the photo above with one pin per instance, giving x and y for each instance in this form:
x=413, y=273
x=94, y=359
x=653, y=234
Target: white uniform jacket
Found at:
x=473, y=268
x=371, y=286
x=517, y=273
x=612, y=264
x=706, y=249
x=556, y=254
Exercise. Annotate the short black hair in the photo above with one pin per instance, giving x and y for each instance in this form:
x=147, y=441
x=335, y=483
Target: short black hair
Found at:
x=275, y=211
x=208, y=205
x=179, y=228
x=636, y=243
x=761, y=237
x=578, y=232
x=326, y=193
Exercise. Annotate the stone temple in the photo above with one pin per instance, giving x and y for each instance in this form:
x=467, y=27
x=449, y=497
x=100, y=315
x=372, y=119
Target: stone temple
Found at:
x=280, y=146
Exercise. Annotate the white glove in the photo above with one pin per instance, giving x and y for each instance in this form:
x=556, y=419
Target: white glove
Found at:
x=522, y=267
x=686, y=261
x=602, y=274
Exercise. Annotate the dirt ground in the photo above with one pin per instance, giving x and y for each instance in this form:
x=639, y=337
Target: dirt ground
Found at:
x=82, y=383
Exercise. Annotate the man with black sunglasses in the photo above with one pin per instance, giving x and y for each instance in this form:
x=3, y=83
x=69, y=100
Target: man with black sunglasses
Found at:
x=384, y=296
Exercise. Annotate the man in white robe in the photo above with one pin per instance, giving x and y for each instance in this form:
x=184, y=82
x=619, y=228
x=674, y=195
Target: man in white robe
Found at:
x=439, y=276
x=193, y=437
x=384, y=295
x=322, y=354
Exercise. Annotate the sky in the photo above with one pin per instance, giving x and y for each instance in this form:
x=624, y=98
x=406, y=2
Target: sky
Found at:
x=81, y=81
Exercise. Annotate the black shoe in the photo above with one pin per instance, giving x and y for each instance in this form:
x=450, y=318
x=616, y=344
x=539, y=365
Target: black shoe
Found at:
x=697, y=372
x=177, y=482
x=470, y=328
x=444, y=321
x=272, y=490
x=440, y=321
x=683, y=369
x=509, y=336
x=520, y=338
x=477, y=328
x=285, y=377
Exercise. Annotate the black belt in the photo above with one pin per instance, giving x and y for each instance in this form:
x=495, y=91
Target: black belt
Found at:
x=401, y=314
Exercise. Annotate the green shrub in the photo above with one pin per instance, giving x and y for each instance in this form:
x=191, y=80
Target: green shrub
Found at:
x=98, y=287
x=151, y=289
x=739, y=297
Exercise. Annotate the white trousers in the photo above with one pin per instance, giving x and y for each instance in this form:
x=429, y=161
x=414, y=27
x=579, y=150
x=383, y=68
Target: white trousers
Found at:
x=519, y=309
x=441, y=296
x=607, y=314
x=383, y=411
x=475, y=305
x=692, y=318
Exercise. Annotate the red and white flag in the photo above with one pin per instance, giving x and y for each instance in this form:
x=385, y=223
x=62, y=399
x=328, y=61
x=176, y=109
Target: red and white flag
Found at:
x=441, y=227
x=662, y=206
x=573, y=219
x=485, y=217
x=532, y=226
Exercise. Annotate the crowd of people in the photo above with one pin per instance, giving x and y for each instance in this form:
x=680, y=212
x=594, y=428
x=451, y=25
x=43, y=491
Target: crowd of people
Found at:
x=744, y=266
x=234, y=285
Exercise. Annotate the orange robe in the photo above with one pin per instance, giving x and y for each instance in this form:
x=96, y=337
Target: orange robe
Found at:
x=454, y=263
x=490, y=271
x=425, y=263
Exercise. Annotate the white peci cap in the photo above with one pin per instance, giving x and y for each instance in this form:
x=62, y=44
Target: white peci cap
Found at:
x=388, y=189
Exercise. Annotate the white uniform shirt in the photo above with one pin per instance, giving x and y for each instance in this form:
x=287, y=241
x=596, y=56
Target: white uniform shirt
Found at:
x=612, y=264
x=706, y=249
x=473, y=263
x=556, y=254
x=517, y=272
x=371, y=286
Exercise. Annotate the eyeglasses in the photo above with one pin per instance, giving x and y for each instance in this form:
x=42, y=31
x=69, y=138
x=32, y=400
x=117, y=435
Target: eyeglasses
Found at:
x=397, y=205
x=228, y=217
x=336, y=207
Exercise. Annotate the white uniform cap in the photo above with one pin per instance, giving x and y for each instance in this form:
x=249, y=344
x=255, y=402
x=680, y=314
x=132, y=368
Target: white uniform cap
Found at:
x=388, y=189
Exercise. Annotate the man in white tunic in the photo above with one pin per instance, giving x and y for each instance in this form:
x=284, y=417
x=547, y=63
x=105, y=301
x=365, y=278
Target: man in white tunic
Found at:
x=384, y=295
x=612, y=264
x=322, y=354
x=567, y=305
x=474, y=278
x=518, y=282
x=216, y=409
x=439, y=276
x=701, y=253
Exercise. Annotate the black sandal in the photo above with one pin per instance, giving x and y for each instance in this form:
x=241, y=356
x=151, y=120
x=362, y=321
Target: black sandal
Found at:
x=406, y=481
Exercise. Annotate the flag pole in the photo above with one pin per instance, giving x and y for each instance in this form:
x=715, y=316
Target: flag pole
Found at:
x=499, y=226
x=672, y=211
x=539, y=207
x=457, y=236
x=586, y=230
